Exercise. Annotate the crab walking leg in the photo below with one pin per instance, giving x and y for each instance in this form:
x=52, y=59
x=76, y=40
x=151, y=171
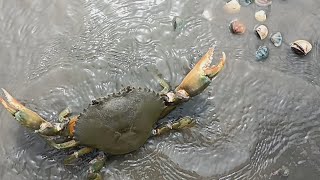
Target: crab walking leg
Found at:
x=163, y=83
x=65, y=145
x=29, y=118
x=77, y=154
x=63, y=114
x=95, y=167
x=165, y=86
x=181, y=123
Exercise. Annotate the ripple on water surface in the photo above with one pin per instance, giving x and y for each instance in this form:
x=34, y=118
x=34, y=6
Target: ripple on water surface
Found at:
x=249, y=120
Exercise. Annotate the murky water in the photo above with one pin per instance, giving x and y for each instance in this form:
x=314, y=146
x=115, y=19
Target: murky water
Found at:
x=254, y=118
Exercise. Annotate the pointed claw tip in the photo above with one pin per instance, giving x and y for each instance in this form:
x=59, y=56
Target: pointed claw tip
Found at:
x=8, y=96
x=4, y=91
x=223, y=56
x=12, y=101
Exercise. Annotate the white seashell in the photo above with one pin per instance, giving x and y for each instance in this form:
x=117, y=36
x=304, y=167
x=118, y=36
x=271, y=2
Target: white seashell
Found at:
x=260, y=15
x=262, y=31
x=232, y=7
x=301, y=47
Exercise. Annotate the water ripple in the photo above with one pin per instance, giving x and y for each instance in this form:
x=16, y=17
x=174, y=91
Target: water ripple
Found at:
x=251, y=120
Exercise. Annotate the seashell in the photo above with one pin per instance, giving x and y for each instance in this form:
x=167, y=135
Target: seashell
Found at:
x=263, y=3
x=237, y=27
x=177, y=23
x=276, y=39
x=262, y=31
x=232, y=7
x=262, y=53
x=301, y=47
x=260, y=15
x=245, y=2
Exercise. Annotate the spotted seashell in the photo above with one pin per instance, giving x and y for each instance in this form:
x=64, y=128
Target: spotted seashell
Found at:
x=262, y=53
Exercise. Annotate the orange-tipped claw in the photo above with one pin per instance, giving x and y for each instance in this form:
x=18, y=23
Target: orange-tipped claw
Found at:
x=200, y=76
x=215, y=69
x=22, y=114
x=8, y=107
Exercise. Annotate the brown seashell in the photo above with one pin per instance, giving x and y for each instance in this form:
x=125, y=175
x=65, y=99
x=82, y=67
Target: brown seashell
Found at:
x=237, y=27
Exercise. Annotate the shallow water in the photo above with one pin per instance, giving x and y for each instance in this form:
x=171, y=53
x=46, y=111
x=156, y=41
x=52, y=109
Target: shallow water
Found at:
x=254, y=117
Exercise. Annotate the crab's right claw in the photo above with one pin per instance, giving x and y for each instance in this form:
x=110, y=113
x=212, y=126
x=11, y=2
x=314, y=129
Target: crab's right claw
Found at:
x=215, y=69
x=23, y=115
x=200, y=76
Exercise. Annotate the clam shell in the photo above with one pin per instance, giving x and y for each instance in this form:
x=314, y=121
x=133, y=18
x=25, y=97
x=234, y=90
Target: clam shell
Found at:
x=276, y=39
x=301, y=47
x=262, y=31
x=245, y=2
x=232, y=7
x=260, y=15
x=177, y=23
x=237, y=27
x=263, y=3
x=262, y=53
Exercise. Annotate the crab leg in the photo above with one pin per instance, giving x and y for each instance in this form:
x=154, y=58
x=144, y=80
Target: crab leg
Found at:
x=64, y=114
x=95, y=167
x=200, y=76
x=77, y=154
x=162, y=82
x=181, y=123
x=64, y=145
x=24, y=116
x=29, y=118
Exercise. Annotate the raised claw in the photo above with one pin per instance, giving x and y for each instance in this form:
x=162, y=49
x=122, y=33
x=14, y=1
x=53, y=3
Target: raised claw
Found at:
x=200, y=76
x=29, y=118
x=23, y=115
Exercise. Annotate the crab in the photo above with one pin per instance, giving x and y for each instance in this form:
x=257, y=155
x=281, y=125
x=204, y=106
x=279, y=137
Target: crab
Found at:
x=118, y=123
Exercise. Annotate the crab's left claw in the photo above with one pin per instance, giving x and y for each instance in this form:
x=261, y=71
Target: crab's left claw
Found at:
x=23, y=115
x=200, y=76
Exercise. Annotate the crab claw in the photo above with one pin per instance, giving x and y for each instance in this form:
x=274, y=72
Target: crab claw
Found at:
x=23, y=115
x=200, y=76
